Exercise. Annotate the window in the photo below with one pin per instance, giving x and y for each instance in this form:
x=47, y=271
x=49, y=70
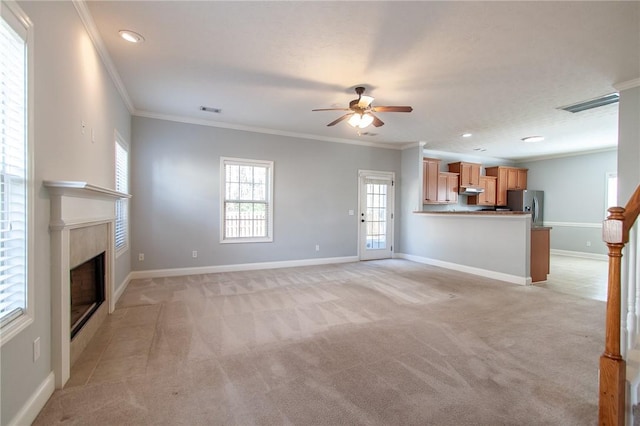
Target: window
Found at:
x=611, y=192
x=247, y=209
x=16, y=296
x=122, y=204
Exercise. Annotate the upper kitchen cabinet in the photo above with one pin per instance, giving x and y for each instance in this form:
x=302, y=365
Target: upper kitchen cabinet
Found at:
x=431, y=171
x=469, y=174
x=448, y=188
x=488, y=196
x=508, y=178
x=517, y=179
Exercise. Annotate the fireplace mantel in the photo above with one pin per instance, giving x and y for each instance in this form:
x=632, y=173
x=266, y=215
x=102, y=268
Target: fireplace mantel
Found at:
x=84, y=202
x=74, y=188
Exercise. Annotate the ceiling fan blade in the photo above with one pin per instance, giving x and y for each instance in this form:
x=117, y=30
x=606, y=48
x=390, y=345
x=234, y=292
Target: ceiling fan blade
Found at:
x=365, y=101
x=336, y=121
x=376, y=121
x=331, y=109
x=392, y=109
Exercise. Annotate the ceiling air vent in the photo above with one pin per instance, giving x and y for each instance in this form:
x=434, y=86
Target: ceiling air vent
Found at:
x=210, y=109
x=592, y=103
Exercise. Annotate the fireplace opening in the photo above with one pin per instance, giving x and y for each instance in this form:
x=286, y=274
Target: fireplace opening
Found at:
x=87, y=291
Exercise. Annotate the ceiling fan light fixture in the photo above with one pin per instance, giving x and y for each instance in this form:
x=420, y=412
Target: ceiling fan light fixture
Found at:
x=360, y=120
x=354, y=120
x=365, y=101
x=365, y=120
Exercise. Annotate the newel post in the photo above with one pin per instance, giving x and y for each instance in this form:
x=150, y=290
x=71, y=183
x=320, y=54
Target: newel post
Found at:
x=612, y=366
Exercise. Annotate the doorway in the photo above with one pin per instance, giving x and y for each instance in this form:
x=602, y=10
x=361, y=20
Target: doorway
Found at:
x=376, y=206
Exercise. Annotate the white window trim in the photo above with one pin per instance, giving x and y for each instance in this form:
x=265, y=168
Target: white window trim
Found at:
x=245, y=161
x=16, y=326
x=120, y=140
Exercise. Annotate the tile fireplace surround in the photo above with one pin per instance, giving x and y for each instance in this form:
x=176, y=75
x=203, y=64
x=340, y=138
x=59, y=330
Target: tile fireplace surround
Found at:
x=81, y=227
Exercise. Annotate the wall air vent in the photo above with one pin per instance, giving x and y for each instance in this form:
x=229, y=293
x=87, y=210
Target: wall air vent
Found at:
x=210, y=109
x=592, y=103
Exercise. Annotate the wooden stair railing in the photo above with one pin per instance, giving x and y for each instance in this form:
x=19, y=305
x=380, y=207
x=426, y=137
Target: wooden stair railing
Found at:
x=615, y=233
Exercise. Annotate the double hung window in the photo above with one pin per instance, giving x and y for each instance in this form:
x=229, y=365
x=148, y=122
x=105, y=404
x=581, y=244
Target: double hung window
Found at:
x=16, y=298
x=122, y=204
x=247, y=193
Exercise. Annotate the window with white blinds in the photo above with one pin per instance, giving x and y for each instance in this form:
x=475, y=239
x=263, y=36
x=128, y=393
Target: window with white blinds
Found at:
x=13, y=170
x=122, y=204
x=247, y=209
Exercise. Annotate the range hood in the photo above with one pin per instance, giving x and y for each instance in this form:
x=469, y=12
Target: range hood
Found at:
x=471, y=190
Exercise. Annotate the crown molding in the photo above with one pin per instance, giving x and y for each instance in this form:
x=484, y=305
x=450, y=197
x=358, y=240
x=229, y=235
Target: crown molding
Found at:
x=244, y=128
x=94, y=35
x=625, y=85
x=565, y=154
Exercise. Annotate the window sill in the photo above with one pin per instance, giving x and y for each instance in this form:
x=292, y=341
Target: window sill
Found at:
x=246, y=240
x=14, y=328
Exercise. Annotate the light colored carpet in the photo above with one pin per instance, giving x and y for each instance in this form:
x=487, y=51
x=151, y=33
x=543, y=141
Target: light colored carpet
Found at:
x=374, y=343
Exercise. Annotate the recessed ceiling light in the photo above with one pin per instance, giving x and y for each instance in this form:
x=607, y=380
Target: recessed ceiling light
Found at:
x=479, y=149
x=131, y=36
x=466, y=135
x=533, y=139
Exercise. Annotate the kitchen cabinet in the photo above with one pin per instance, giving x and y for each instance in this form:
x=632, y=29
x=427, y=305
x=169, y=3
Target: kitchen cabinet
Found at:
x=469, y=174
x=508, y=178
x=448, y=187
x=540, y=249
x=431, y=172
x=488, y=197
x=517, y=178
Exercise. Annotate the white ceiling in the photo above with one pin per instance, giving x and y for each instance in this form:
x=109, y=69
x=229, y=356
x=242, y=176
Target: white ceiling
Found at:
x=496, y=69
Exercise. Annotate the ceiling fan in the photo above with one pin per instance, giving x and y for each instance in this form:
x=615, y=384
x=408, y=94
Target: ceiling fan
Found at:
x=361, y=111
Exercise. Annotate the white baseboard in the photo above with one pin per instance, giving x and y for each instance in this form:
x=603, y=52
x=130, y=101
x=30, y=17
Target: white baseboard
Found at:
x=35, y=403
x=175, y=272
x=514, y=279
x=580, y=254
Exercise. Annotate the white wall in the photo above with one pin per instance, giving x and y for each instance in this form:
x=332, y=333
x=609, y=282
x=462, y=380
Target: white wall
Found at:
x=629, y=144
x=176, y=194
x=71, y=85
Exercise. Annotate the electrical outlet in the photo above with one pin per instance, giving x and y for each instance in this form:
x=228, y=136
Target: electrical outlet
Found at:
x=194, y=254
x=588, y=243
x=317, y=247
x=36, y=349
x=140, y=257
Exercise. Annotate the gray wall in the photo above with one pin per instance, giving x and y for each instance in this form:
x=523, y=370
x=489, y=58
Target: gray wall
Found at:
x=574, y=198
x=176, y=194
x=71, y=85
x=455, y=240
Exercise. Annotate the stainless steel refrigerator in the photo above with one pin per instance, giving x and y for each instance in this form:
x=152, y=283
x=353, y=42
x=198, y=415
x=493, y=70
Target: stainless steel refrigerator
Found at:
x=526, y=200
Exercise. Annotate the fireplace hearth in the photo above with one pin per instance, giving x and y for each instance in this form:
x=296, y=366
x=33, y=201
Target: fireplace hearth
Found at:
x=87, y=291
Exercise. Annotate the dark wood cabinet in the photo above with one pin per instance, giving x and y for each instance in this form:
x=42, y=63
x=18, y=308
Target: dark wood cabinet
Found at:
x=540, y=253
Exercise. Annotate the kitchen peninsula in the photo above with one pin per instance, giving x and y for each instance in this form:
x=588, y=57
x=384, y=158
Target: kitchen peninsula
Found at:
x=495, y=244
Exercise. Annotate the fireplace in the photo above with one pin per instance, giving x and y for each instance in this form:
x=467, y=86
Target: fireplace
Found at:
x=87, y=291
x=81, y=228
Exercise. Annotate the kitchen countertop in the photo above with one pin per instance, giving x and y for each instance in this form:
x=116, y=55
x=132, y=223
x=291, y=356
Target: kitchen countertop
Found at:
x=476, y=213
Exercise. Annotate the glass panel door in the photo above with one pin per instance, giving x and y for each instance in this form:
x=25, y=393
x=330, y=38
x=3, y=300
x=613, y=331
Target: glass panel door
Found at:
x=376, y=216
